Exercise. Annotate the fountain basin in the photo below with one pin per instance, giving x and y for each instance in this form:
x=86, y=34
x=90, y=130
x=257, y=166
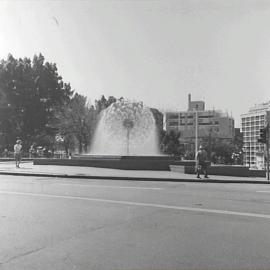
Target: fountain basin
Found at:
x=156, y=163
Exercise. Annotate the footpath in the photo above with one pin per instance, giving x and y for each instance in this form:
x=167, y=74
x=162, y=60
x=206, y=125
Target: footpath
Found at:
x=28, y=169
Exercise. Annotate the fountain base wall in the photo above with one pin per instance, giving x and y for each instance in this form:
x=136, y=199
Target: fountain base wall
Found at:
x=156, y=163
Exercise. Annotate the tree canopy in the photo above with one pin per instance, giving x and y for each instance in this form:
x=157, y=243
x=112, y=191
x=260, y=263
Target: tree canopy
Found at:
x=170, y=143
x=76, y=123
x=31, y=92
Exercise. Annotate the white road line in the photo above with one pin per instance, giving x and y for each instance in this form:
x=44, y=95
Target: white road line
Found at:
x=101, y=186
x=164, y=206
x=263, y=191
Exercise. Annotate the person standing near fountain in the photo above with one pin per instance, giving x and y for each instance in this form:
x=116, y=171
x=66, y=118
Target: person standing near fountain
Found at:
x=201, y=157
x=18, y=153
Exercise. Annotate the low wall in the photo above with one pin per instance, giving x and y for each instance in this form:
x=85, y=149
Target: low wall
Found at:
x=12, y=159
x=229, y=170
x=156, y=163
x=257, y=173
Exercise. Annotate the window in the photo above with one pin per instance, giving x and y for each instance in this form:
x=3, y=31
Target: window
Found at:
x=173, y=123
x=204, y=124
x=173, y=116
x=206, y=116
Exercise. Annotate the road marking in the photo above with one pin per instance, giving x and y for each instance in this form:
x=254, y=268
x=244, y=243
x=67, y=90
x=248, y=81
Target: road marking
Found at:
x=101, y=186
x=164, y=206
x=263, y=191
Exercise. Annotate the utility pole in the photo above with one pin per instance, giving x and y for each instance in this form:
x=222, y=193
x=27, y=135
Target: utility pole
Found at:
x=196, y=134
x=210, y=144
x=196, y=140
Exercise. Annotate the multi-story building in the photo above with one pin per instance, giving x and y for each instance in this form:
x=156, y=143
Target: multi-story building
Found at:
x=251, y=123
x=211, y=124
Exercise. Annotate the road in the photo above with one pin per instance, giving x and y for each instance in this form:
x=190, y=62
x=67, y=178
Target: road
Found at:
x=50, y=223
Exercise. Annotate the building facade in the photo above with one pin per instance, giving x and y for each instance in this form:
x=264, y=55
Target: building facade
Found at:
x=211, y=124
x=251, y=123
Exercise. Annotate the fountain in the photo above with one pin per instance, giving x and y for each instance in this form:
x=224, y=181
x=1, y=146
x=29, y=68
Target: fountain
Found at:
x=125, y=138
x=126, y=128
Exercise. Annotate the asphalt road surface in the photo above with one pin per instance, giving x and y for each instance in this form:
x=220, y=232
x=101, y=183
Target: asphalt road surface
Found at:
x=50, y=223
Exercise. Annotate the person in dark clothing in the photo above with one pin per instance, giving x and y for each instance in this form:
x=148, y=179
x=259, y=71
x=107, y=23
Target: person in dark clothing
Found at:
x=201, y=157
x=33, y=151
x=45, y=152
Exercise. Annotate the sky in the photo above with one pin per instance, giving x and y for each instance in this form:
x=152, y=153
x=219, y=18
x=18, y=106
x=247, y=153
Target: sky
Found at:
x=152, y=51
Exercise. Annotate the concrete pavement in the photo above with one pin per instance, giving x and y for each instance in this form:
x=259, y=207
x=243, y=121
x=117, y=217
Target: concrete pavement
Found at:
x=28, y=169
x=57, y=223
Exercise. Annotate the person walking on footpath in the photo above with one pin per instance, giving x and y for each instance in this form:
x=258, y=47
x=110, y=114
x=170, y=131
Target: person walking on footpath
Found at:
x=18, y=153
x=201, y=157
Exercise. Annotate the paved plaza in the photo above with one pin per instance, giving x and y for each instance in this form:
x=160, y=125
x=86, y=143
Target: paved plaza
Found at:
x=28, y=169
x=67, y=223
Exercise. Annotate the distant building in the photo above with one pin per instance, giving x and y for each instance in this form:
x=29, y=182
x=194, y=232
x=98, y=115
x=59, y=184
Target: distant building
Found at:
x=211, y=124
x=251, y=123
x=195, y=105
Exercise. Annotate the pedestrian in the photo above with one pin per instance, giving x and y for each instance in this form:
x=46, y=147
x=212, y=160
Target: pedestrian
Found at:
x=201, y=157
x=33, y=151
x=18, y=153
x=5, y=153
x=45, y=152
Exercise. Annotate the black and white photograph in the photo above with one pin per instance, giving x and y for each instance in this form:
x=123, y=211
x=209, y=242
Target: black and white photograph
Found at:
x=134, y=134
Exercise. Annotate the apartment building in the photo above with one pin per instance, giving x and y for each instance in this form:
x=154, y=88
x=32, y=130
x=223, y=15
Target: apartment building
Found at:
x=211, y=123
x=251, y=123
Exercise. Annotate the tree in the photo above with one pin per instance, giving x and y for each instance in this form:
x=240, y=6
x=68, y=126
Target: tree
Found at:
x=34, y=91
x=228, y=151
x=170, y=143
x=76, y=123
x=104, y=103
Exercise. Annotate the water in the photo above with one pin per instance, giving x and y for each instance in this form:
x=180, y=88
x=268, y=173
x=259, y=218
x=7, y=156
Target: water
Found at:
x=126, y=128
